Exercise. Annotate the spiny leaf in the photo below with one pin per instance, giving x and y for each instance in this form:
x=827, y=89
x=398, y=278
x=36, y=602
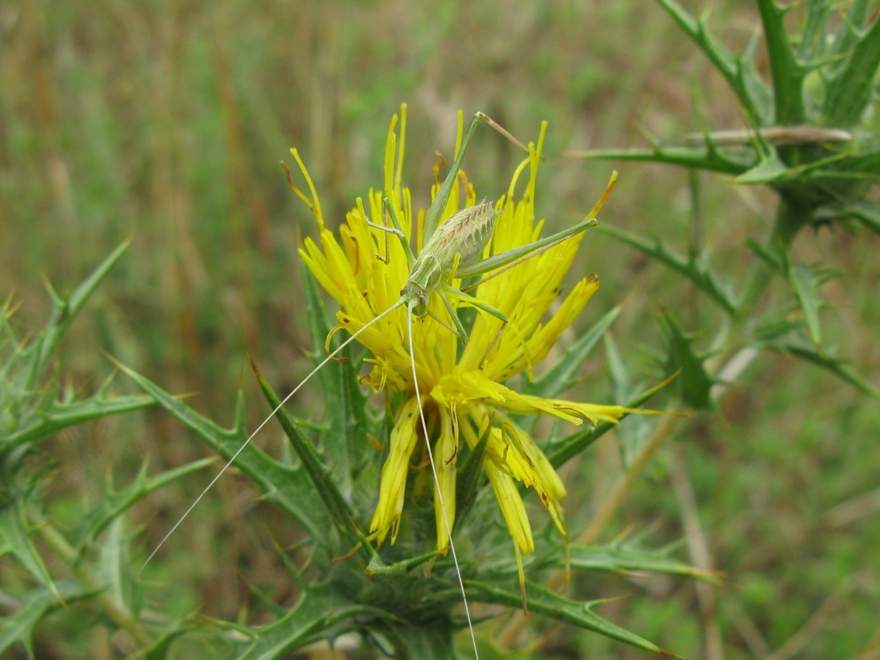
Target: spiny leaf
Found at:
x=15, y=539
x=433, y=642
x=770, y=254
x=694, y=382
x=635, y=433
x=468, y=479
x=859, y=165
x=319, y=474
x=19, y=625
x=554, y=606
x=559, y=453
x=56, y=416
x=813, y=41
x=777, y=325
x=805, y=282
x=849, y=91
x=114, y=568
x=113, y=503
x=159, y=650
x=627, y=558
x=838, y=366
x=345, y=438
x=748, y=89
x=709, y=158
x=770, y=168
x=702, y=277
x=283, y=485
x=319, y=609
x=867, y=212
x=36, y=357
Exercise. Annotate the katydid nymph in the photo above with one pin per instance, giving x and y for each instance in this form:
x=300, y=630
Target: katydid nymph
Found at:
x=453, y=250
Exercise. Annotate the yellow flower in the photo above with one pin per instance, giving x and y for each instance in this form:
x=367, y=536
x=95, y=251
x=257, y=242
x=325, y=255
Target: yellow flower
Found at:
x=462, y=391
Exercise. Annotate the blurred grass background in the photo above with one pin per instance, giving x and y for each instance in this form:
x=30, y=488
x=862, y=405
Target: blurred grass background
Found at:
x=165, y=121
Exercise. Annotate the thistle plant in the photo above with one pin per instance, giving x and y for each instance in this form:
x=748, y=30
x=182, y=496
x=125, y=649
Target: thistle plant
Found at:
x=810, y=135
x=381, y=555
x=808, y=131
x=372, y=561
x=56, y=568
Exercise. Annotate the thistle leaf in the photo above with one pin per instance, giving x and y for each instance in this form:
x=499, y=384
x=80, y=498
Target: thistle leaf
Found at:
x=35, y=425
x=750, y=91
x=36, y=357
x=801, y=349
x=848, y=92
x=113, y=503
x=694, y=382
x=282, y=484
x=633, y=435
x=562, y=451
x=19, y=625
x=770, y=168
x=345, y=438
x=319, y=474
x=15, y=539
x=432, y=642
x=552, y=605
x=320, y=609
x=629, y=558
x=114, y=568
x=470, y=475
x=698, y=273
x=868, y=212
x=805, y=282
x=709, y=158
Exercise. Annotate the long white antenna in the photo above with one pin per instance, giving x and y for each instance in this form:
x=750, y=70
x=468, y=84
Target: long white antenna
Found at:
x=412, y=361
x=266, y=421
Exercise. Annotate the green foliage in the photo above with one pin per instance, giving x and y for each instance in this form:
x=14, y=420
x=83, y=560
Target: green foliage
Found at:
x=694, y=383
x=32, y=406
x=33, y=411
x=175, y=137
x=798, y=144
x=402, y=589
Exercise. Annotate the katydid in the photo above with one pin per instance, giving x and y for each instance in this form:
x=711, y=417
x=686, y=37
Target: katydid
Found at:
x=451, y=250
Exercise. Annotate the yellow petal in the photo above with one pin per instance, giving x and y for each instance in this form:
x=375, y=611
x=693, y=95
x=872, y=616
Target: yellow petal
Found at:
x=392, y=485
x=445, y=453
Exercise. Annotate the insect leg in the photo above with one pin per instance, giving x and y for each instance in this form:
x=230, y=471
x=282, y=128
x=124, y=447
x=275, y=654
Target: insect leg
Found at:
x=432, y=220
x=388, y=230
x=398, y=231
x=526, y=251
x=473, y=302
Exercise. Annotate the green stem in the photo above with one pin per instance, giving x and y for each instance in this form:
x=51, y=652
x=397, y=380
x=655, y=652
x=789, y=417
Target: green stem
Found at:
x=115, y=611
x=790, y=219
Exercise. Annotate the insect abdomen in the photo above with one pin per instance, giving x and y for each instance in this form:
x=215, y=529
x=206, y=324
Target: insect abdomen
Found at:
x=466, y=233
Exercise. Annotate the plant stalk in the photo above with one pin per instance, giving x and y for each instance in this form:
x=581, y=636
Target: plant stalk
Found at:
x=115, y=611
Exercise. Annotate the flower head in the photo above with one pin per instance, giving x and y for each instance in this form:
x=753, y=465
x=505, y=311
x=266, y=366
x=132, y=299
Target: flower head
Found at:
x=461, y=387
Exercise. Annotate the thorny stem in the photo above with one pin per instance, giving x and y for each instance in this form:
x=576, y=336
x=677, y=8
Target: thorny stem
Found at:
x=789, y=220
x=115, y=611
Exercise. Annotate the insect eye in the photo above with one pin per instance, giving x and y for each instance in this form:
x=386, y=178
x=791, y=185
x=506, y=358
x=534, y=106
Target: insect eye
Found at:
x=421, y=309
